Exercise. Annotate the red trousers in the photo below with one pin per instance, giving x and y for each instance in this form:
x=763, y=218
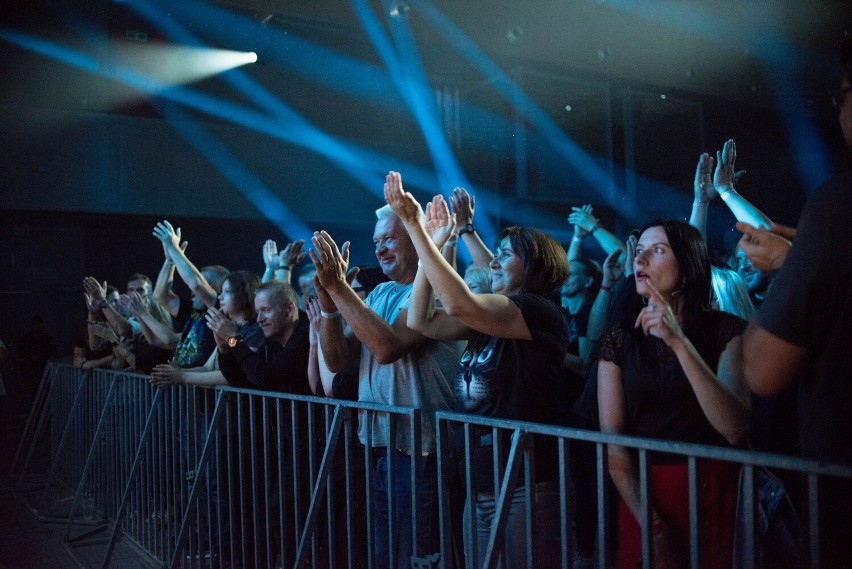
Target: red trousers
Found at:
x=717, y=502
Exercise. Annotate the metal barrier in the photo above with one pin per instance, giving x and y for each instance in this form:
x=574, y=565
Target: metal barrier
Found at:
x=241, y=478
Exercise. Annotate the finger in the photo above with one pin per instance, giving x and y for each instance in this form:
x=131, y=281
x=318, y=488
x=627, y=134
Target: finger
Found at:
x=351, y=274
x=345, y=253
x=784, y=231
x=333, y=249
x=737, y=175
x=316, y=261
x=656, y=298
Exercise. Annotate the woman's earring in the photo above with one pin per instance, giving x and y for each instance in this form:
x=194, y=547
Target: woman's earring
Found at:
x=645, y=301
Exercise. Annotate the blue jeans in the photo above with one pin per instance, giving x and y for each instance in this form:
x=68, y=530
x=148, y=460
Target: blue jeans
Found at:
x=427, y=510
x=545, y=527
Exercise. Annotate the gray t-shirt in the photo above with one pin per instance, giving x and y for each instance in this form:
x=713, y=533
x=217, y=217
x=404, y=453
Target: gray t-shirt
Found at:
x=419, y=379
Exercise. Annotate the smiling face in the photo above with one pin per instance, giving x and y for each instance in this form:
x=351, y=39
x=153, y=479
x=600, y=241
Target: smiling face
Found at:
x=507, y=270
x=656, y=263
x=273, y=317
x=394, y=250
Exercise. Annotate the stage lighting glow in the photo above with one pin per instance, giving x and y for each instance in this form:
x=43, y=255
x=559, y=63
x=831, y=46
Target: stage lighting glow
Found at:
x=169, y=65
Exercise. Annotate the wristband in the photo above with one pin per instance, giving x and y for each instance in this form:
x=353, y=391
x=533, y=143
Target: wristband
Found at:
x=728, y=191
x=606, y=288
x=284, y=268
x=329, y=315
x=595, y=228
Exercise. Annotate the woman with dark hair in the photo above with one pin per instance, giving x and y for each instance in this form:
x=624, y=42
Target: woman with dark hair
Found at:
x=512, y=367
x=669, y=370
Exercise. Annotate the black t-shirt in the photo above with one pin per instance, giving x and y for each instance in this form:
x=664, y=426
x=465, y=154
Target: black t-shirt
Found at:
x=197, y=341
x=576, y=325
x=659, y=400
x=272, y=367
x=809, y=304
x=516, y=379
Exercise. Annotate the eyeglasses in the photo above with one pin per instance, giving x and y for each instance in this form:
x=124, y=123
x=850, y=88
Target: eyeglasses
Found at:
x=838, y=96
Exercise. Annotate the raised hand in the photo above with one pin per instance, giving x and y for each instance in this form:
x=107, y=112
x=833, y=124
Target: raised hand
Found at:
x=134, y=303
x=439, y=223
x=323, y=298
x=462, y=204
x=632, y=240
x=312, y=308
x=270, y=255
x=658, y=319
x=725, y=176
x=401, y=202
x=766, y=250
x=167, y=235
x=703, y=183
x=331, y=263
x=582, y=220
x=95, y=289
x=91, y=304
x=292, y=254
x=612, y=268
x=166, y=375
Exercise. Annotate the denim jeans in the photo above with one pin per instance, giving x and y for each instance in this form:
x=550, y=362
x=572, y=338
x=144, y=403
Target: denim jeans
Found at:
x=427, y=510
x=545, y=527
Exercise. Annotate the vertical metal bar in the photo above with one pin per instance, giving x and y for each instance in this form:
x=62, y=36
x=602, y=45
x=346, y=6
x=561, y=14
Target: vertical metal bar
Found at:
x=471, y=545
x=391, y=484
x=415, y=446
x=566, y=509
x=645, y=509
x=368, y=416
x=603, y=518
x=442, y=442
x=38, y=409
x=62, y=439
x=529, y=502
x=748, y=501
x=319, y=486
x=692, y=477
x=496, y=539
x=90, y=458
x=122, y=509
x=193, y=492
x=813, y=520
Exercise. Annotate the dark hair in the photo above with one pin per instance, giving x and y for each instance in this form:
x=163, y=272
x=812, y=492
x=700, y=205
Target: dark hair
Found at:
x=140, y=277
x=690, y=251
x=243, y=287
x=846, y=55
x=545, y=266
x=111, y=289
x=370, y=277
x=280, y=293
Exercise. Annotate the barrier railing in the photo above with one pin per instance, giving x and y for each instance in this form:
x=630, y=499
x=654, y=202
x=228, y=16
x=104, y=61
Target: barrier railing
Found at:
x=241, y=478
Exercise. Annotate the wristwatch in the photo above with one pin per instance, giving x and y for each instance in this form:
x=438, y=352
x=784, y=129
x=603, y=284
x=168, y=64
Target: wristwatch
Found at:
x=467, y=228
x=234, y=340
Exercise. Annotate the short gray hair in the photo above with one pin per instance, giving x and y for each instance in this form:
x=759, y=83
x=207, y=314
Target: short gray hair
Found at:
x=384, y=211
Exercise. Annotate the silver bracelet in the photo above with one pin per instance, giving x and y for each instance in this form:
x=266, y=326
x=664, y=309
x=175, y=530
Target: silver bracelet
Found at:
x=324, y=314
